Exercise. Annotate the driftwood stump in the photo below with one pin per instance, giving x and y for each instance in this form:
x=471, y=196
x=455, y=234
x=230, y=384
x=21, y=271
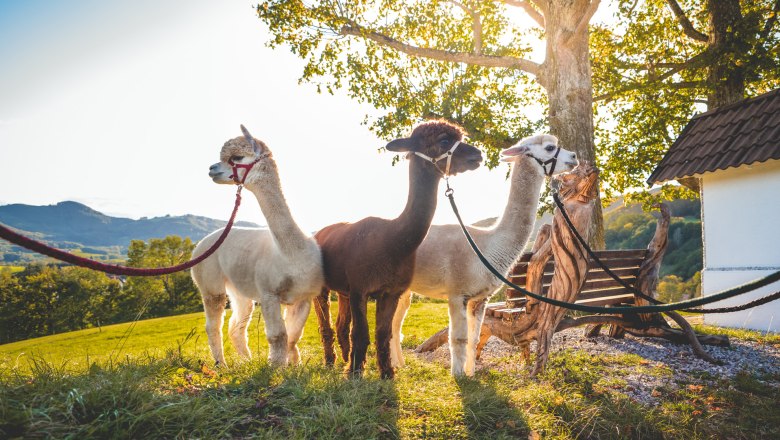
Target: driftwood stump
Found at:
x=578, y=193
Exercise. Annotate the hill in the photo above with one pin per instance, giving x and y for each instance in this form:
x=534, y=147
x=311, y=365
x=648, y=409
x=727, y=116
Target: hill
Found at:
x=629, y=227
x=75, y=226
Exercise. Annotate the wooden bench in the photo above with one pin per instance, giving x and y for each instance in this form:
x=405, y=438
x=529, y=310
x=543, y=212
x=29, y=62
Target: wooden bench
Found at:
x=520, y=320
x=599, y=288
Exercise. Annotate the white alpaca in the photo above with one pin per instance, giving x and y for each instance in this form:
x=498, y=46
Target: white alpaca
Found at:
x=446, y=266
x=274, y=267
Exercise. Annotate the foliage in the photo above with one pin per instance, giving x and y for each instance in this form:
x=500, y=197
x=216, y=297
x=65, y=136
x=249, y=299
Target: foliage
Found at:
x=630, y=227
x=164, y=387
x=651, y=75
x=166, y=294
x=672, y=288
x=43, y=300
x=490, y=103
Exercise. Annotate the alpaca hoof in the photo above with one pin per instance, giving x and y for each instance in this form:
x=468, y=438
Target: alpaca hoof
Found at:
x=388, y=374
x=330, y=359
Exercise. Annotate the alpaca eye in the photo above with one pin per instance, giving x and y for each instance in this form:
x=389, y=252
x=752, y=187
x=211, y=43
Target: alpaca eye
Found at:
x=236, y=158
x=549, y=147
x=444, y=142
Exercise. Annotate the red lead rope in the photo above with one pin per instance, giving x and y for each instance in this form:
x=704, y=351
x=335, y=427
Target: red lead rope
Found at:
x=41, y=248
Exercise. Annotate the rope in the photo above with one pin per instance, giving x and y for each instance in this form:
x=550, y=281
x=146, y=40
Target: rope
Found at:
x=719, y=296
x=638, y=292
x=114, y=269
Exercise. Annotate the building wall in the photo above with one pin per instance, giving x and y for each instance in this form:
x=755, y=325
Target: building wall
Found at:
x=741, y=227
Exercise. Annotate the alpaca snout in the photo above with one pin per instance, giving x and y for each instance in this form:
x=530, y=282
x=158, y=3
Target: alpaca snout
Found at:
x=572, y=161
x=218, y=175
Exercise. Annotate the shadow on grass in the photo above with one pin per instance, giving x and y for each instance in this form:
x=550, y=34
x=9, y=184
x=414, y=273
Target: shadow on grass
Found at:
x=489, y=413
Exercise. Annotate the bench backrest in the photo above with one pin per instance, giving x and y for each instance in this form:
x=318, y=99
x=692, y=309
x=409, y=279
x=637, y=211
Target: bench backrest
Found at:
x=599, y=287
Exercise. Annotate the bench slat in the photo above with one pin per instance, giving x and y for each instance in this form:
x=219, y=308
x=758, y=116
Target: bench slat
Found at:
x=621, y=253
x=603, y=284
x=607, y=300
x=618, y=290
x=626, y=274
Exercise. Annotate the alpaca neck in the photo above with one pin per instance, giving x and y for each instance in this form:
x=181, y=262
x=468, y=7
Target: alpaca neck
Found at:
x=517, y=221
x=268, y=192
x=412, y=225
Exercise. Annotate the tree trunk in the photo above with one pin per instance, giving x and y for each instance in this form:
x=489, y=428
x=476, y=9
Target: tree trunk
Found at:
x=726, y=79
x=566, y=76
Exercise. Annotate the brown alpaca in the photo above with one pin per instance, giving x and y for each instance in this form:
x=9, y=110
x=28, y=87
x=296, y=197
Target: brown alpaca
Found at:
x=374, y=257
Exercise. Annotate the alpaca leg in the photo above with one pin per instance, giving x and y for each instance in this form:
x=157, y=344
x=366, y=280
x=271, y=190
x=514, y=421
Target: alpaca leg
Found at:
x=343, y=320
x=322, y=309
x=386, y=306
x=396, y=354
x=275, y=331
x=214, y=308
x=459, y=333
x=239, y=321
x=475, y=316
x=359, y=335
x=294, y=321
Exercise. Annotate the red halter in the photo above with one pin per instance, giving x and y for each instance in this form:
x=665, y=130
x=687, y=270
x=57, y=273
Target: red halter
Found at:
x=236, y=166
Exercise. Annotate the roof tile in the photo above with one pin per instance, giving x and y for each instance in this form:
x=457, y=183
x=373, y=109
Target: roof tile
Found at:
x=742, y=133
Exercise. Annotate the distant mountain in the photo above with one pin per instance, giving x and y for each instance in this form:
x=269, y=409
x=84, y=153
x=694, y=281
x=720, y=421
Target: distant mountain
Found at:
x=72, y=225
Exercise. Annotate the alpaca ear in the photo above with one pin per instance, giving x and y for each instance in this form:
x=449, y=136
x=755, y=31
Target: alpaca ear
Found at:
x=400, y=145
x=251, y=140
x=506, y=159
x=516, y=150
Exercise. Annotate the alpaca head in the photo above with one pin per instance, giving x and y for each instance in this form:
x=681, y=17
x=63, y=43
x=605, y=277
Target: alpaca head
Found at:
x=580, y=183
x=544, y=148
x=434, y=141
x=241, y=159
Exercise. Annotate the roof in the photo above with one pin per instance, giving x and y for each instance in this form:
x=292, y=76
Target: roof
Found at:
x=742, y=133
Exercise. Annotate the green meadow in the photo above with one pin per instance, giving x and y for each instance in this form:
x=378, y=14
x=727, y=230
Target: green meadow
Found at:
x=155, y=379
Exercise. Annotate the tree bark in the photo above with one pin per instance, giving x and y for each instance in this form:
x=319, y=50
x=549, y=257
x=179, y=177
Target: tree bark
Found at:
x=566, y=76
x=726, y=79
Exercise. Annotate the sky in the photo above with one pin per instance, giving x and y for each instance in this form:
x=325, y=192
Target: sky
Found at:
x=123, y=106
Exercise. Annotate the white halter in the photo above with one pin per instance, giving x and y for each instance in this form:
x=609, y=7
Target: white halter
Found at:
x=448, y=154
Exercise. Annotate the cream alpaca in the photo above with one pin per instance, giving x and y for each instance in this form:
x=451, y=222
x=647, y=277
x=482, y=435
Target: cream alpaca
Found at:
x=446, y=267
x=273, y=267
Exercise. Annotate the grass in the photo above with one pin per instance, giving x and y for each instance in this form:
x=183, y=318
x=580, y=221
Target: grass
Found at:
x=12, y=269
x=160, y=384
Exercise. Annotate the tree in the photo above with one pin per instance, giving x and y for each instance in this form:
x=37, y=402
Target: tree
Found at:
x=662, y=60
x=43, y=300
x=462, y=60
x=165, y=294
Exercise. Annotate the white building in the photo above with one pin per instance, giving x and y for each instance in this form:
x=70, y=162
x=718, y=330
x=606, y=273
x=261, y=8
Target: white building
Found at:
x=732, y=156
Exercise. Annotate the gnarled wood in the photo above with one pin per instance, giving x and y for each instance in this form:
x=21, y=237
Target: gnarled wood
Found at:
x=578, y=192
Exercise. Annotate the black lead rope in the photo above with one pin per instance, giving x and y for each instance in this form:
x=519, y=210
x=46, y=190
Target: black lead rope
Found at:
x=719, y=296
x=639, y=293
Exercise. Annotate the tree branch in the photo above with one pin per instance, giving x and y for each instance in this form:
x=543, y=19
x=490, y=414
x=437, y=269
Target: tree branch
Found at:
x=582, y=25
x=529, y=9
x=442, y=55
x=770, y=22
x=685, y=23
x=637, y=86
x=476, y=25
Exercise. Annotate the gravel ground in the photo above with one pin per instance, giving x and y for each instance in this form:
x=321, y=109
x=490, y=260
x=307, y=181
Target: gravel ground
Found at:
x=642, y=386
